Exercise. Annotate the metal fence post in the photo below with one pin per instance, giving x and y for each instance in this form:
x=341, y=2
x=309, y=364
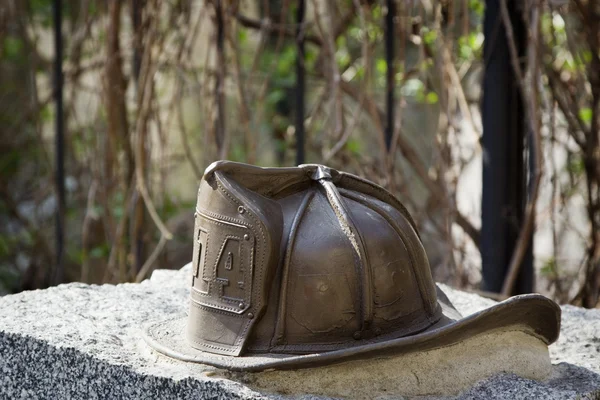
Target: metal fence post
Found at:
x=59, y=144
x=504, y=153
x=220, y=81
x=390, y=72
x=300, y=82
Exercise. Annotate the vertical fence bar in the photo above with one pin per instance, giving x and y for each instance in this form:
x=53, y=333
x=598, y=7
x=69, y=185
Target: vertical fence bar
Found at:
x=220, y=82
x=300, y=82
x=390, y=72
x=59, y=143
x=504, y=156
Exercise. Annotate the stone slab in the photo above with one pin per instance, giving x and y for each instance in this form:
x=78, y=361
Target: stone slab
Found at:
x=81, y=341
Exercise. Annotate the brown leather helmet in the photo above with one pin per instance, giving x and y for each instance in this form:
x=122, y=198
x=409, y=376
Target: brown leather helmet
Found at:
x=303, y=266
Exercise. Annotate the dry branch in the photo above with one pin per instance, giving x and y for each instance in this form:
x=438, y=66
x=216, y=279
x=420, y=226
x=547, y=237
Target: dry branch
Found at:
x=525, y=234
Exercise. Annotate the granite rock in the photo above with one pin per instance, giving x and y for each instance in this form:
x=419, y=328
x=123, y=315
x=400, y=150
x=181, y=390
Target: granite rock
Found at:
x=81, y=341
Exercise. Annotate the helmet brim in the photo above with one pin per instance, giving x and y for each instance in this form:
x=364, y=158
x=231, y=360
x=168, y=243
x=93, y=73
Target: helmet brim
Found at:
x=532, y=314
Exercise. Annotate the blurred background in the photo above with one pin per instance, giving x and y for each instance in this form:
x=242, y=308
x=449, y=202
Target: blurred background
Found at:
x=482, y=117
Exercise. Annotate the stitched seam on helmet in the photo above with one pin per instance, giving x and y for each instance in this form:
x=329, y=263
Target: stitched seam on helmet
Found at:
x=204, y=262
x=216, y=311
x=222, y=217
x=260, y=272
x=251, y=215
x=210, y=346
x=218, y=307
x=213, y=310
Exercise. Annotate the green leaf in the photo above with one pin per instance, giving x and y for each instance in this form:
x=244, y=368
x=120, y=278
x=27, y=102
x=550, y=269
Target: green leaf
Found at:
x=381, y=66
x=5, y=246
x=429, y=36
x=360, y=72
x=342, y=57
x=431, y=98
x=75, y=255
x=477, y=6
x=576, y=166
x=310, y=56
x=356, y=33
x=242, y=36
x=476, y=40
x=238, y=153
x=377, y=12
x=586, y=115
x=275, y=96
x=12, y=48
x=353, y=146
x=100, y=251
x=286, y=61
x=9, y=162
x=118, y=211
x=42, y=11
x=550, y=268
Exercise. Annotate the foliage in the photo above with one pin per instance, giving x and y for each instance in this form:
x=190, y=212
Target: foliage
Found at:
x=145, y=113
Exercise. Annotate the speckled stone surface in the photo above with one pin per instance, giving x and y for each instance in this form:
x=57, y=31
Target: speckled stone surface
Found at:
x=78, y=341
